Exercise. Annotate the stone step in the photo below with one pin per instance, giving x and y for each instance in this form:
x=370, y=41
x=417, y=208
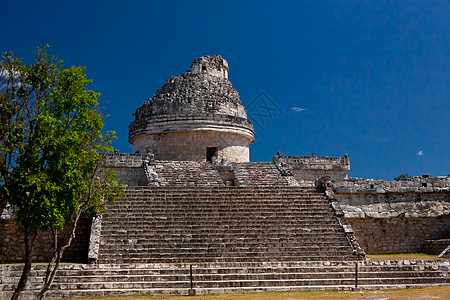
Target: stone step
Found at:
x=218, y=190
x=207, y=243
x=155, y=219
x=98, y=280
x=223, y=198
x=123, y=287
x=267, y=226
x=211, y=255
x=222, y=239
x=152, y=225
x=255, y=221
x=231, y=227
x=215, y=206
x=370, y=272
x=240, y=267
x=188, y=229
x=161, y=245
x=243, y=244
x=294, y=201
x=238, y=282
x=200, y=231
x=193, y=259
x=221, y=191
x=203, y=291
x=201, y=220
x=209, y=210
x=234, y=254
x=106, y=278
x=214, y=217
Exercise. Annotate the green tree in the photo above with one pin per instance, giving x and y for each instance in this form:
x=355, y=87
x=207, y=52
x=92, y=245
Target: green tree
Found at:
x=402, y=177
x=13, y=108
x=52, y=151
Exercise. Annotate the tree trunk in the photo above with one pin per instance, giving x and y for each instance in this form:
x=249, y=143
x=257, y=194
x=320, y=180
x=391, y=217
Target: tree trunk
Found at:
x=49, y=279
x=29, y=245
x=56, y=259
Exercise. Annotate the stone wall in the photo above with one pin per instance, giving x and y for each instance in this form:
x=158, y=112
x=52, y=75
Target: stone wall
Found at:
x=128, y=167
x=259, y=174
x=398, y=235
x=390, y=205
x=185, y=173
x=194, y=121
x=375, y=186
x=395, y=216
x=311, y=168
x=191, y=145
x=213, y=65
x=436, y=247
x=12, y=249
x=130, y=171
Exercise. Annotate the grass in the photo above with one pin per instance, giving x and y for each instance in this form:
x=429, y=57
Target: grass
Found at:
x=438, y=292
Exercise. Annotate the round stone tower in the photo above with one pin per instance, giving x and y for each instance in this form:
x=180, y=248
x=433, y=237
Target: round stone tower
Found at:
x=194, y=116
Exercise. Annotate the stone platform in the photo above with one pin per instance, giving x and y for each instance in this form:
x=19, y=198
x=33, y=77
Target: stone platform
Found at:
x=231, y=277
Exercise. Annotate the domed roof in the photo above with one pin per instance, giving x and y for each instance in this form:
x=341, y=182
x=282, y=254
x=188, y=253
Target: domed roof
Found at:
x=203, y=88
x=200, y=99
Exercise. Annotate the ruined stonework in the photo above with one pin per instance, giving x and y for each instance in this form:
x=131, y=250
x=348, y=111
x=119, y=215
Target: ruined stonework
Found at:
x=193, y=198
x=12, y=249
x=194, y=116
x=310, y=168
x=396, y=216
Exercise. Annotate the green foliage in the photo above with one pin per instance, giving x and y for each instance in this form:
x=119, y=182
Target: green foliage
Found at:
x=51, y=143
x=402, y=177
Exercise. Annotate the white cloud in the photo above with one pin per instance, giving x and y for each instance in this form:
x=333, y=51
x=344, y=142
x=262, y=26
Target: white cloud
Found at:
x=420, y=153
x=297, y=109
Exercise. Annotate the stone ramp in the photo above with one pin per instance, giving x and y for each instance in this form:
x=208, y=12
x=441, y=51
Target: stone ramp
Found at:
x=164, y=225
x=232, y=277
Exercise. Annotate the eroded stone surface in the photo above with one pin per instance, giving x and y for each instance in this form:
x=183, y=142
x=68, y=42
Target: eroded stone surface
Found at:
x=191, y=112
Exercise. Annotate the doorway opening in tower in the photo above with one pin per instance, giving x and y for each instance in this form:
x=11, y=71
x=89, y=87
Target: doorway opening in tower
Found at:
x=210, y=152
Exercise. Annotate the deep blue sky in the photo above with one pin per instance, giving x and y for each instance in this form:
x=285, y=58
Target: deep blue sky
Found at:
x=367, y=78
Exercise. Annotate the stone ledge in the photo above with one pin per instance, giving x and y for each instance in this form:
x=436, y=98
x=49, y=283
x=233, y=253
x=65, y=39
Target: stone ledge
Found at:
x=221, y=123
x=126, y=160
x=314, y=162
x=415, y=184
x=423, y=209
x=394, y=190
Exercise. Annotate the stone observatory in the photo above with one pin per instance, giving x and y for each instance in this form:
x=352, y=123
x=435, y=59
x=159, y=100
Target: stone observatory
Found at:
x=196, y=217
x=195, y=116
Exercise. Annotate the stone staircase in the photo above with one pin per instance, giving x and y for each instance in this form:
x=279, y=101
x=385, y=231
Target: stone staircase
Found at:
x=186, y=173
x=182, y=224
x=259, y=174
x=226, y=277
x=238, y=239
